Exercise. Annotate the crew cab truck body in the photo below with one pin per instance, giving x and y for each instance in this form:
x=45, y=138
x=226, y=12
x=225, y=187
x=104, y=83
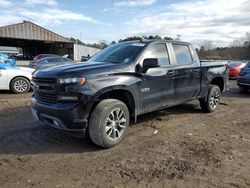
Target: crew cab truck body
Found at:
x=101, y=96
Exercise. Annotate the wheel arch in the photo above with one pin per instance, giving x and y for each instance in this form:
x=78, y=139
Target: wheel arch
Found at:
x=18, y=77
x=121, y=94
x=218, y=81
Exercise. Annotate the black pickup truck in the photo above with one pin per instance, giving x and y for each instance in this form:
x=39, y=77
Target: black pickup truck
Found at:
x=101, y=96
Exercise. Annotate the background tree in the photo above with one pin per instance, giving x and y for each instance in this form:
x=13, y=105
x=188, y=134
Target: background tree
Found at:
x=239, y=49
x=113, y=42
x=144, y=37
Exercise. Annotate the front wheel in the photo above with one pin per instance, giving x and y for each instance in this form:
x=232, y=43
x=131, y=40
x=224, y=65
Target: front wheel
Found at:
x=108, y=123
x=20, y=85
x=213, y=99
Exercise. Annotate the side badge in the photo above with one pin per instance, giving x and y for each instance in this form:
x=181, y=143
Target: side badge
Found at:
x=145, y=90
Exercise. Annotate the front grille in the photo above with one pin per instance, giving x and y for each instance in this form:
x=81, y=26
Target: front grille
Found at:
x=44, y=80
x=46, y=98
x=45, y=89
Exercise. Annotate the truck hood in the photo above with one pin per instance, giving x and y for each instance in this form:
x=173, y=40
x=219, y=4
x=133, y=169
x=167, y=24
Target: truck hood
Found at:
x=76, y=69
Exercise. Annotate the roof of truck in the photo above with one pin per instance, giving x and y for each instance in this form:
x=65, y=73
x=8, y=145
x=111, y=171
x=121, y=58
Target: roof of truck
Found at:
x=156, y=41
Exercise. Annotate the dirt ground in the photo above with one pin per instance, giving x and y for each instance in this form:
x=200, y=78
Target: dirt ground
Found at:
x=190, y=149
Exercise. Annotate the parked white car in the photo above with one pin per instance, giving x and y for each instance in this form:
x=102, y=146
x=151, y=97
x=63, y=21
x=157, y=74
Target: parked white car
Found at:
x=15, y=78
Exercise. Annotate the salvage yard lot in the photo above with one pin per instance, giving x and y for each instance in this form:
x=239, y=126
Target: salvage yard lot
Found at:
x=190, y=149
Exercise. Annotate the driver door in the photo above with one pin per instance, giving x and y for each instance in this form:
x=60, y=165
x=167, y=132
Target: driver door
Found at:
x=157, y=85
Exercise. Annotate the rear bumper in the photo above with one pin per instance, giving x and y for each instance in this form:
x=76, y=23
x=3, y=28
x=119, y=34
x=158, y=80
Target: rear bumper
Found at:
x=66, y=117
x=247, y=86
x=244, y=82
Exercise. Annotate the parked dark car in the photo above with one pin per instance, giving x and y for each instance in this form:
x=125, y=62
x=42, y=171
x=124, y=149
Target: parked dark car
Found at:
x=51, y=61
x=244, y=78
x=39, y=57
x=101, y=96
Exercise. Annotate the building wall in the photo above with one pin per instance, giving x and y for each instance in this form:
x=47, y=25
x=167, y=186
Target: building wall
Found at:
x=80, y=50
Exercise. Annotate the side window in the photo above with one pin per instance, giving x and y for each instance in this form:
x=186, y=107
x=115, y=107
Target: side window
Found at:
x=64, y=60
x=182, y=53
x=55, y=60
x=158, y=51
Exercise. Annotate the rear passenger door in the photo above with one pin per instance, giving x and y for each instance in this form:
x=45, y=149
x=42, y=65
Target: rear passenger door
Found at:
x=187, y=77
x=156, y=89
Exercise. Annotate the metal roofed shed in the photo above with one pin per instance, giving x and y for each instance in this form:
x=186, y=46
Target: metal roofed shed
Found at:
x=34, y=39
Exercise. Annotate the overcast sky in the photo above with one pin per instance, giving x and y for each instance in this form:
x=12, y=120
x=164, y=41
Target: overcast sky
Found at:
x=93, y=20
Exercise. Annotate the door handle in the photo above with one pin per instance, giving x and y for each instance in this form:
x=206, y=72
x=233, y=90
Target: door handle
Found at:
x=171, y=73
x=196, y=70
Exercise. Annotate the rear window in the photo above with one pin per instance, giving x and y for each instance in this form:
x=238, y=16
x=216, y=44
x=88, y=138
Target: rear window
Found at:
x=54, y=60
x=59, y=60
x=41, y=56
x=182, y=53
x=42, y=61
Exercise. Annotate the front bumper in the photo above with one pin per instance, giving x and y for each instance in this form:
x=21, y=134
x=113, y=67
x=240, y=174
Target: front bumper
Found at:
x=67, y=117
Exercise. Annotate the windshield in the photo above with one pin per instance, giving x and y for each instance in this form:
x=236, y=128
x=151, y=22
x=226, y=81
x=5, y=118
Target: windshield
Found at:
x=119, y=53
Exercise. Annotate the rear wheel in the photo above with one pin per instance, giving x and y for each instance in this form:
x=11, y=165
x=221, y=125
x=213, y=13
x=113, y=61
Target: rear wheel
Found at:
x=212, y=101
x=108, y=123
x=20, y=85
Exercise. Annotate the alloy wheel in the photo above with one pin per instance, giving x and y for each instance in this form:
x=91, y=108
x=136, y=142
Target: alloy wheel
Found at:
x=115, y=124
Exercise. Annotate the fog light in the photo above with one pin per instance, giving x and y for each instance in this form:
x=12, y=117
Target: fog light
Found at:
x=67, y=98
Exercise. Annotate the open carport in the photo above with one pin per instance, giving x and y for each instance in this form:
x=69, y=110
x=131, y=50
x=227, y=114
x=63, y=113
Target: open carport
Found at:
x=34, y=39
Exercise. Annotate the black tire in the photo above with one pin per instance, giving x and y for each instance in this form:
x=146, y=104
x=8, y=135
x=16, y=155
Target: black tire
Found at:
x=101, y=128
x=20, y=85
x=243, y=90
x=212, y=101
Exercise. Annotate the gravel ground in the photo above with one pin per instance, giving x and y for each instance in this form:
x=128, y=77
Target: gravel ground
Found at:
x=190, y=149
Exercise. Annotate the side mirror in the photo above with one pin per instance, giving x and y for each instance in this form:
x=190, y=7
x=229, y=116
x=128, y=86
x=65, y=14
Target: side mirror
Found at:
x=150, y=63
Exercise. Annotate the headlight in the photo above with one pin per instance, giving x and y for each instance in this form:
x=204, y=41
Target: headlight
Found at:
x=73, y=80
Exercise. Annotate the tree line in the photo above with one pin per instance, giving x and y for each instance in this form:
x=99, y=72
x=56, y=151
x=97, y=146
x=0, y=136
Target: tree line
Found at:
x=103, y=43
x=238, y=50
